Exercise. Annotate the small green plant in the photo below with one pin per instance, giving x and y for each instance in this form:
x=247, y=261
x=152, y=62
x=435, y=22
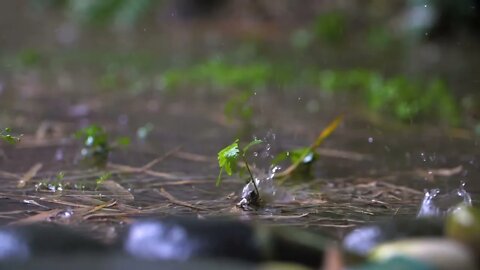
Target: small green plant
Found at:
x=59, y=184
x=229, y=158
x=54, y=185
x=6, y=136
x=102, y=178
x=121, y=13
x=96, y=146
x=398, y=97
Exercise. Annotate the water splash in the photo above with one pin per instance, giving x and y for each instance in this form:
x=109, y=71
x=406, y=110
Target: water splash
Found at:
x=435, y=204
x=64, y=215
x=264, y=178
x=267, y=188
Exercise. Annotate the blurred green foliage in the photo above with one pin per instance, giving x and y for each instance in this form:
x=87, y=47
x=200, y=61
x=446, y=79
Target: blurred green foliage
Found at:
x=120, y=12
x=219, y=74
x=399, y=97
x=6, y=136
x=238, y=106
x=301, y=39
x=96, y=147
x=124, y=13
x=379, y=37
x=29, y=57
x=331, y=27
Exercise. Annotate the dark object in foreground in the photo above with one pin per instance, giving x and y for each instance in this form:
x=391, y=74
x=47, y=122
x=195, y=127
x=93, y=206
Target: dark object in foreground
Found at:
x=119, y=262
x=24, y=242
x=186, y=239
x=172, y=239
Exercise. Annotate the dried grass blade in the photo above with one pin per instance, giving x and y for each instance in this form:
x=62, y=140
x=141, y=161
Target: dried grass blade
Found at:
x=174, y=200
x=325, y=133
x=29, y=175
x=99, y=207
x=118, y=190
x=159, y=159
x=39, y=217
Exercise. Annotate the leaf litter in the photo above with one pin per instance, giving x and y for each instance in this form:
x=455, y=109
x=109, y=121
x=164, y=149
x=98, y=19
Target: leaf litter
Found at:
x=131, y=192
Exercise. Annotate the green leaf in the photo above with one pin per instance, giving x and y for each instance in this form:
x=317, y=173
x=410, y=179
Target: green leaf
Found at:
x=227, y=159
x=60, y=176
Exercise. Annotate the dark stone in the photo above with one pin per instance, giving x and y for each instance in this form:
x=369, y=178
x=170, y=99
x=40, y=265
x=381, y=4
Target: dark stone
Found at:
x=39, y=240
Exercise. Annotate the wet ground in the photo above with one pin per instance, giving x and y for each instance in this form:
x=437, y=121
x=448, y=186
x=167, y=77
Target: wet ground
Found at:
x=370, y=169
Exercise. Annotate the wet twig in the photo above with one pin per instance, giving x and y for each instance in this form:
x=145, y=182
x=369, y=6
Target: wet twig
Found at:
x=174, y=200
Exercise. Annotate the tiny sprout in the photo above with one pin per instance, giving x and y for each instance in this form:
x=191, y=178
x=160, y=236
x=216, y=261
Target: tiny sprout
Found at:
x=228, y=159
x=102, y=178
x=96, y=145
x=6, y=136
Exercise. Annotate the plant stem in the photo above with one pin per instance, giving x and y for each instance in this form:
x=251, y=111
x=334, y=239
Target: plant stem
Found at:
x=251, y=175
